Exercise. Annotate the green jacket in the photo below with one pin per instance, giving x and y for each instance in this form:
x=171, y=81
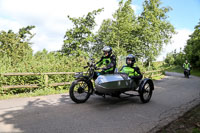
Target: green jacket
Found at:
x=133, y=72
x=186, y=66
x=109, y=63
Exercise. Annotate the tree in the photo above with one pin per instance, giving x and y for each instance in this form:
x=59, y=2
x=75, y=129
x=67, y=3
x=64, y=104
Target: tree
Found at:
x=80, y=37
x=192, y=49
x=123, y=25
x=117, y=33
x=103, y=36
x=144, y=35
x=155, y=30
x=170, y=58
x=16, y=45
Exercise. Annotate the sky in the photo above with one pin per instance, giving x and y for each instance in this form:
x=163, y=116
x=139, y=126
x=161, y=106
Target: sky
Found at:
x=50, y=18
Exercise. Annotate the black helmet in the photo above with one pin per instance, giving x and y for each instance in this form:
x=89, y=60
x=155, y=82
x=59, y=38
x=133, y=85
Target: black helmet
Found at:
x=108, y=50
x=132, y=58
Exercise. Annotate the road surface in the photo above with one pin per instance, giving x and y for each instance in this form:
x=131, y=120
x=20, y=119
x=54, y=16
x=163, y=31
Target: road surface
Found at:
x=172, y=96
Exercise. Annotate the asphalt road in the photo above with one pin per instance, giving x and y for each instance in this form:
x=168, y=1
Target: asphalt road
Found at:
x=172, y=96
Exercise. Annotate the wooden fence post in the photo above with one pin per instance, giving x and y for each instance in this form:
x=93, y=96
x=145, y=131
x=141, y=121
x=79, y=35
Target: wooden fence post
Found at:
x=46, y=80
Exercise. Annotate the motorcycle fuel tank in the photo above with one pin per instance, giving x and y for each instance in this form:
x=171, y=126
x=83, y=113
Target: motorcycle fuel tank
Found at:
x=110, y=83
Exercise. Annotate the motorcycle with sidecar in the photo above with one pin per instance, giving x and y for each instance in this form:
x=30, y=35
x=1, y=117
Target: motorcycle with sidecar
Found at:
x=109, y=84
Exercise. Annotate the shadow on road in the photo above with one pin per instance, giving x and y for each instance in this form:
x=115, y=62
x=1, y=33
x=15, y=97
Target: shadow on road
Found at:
x=46, y=116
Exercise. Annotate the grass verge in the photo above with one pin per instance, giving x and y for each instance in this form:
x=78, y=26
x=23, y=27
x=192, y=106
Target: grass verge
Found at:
x=37, y=92
x=188, y=123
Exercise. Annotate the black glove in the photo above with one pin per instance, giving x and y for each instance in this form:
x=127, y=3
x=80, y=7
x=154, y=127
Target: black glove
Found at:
x=133, y=77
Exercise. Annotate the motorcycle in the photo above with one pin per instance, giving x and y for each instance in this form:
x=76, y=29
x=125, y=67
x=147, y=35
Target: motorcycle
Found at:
x=186, y=73
x=109, y=84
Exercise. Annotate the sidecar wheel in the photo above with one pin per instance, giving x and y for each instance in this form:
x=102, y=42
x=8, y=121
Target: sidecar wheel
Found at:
x=146, y=91
x=79, y=91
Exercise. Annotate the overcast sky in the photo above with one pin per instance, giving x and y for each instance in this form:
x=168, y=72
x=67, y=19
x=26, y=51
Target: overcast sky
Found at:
x=50, y=18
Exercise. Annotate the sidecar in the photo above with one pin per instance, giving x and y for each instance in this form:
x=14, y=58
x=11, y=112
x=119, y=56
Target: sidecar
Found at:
x=115, y=84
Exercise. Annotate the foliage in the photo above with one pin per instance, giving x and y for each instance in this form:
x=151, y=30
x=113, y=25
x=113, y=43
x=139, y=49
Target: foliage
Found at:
x=192, y=49
x=174, y=58
x=80, y=36
x=155, y=30
x=103, y=36
x=170, y=59
x=143, y=35
x=16, y=46
x=196, y=130
x=119, y=33
x=40, y=62
x=122, y=27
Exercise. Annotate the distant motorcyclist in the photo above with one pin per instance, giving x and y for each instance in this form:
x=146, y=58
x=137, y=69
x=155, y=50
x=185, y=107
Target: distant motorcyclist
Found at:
x=186, y=66
x=107, y=61
x=131, y=69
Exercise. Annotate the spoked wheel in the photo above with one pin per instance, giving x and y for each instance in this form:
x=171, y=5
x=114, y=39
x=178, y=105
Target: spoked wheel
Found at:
x=80, y=91
x=146, y=92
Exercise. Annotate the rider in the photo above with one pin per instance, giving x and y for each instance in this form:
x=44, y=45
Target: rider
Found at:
x=186, y=66
x=131, y=69
x=108, y=60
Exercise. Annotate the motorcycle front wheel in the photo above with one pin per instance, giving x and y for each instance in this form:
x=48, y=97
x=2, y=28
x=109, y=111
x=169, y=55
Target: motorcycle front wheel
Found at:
x=79, y=91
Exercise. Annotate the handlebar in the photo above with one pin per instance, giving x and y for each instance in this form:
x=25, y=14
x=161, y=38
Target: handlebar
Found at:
x=92, y=64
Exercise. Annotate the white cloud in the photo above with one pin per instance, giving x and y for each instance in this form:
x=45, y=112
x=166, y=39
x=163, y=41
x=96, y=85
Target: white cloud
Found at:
x=179, y=40
x=6, y=24
x=50, y=17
